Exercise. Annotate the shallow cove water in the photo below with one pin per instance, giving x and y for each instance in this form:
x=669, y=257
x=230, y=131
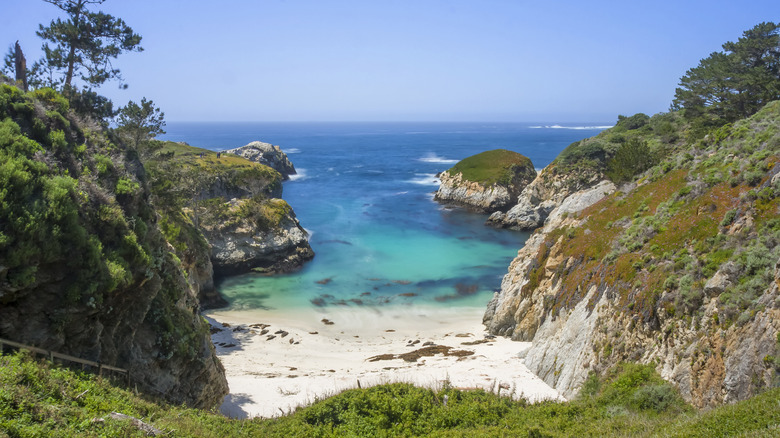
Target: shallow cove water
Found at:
x=364, y=192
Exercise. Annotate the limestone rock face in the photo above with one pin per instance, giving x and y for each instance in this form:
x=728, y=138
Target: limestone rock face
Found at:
x=722, y=279
x=268, y=154
x=539, y=198
x=454, y=189
x=512, y=313
x=241, y=247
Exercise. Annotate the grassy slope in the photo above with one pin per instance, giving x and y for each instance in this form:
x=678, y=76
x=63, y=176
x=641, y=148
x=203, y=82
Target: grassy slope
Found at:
x=673, y=231
x=490, y=167
x=38, y=399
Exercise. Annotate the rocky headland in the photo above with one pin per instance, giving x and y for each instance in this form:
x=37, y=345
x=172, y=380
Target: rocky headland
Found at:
x=487, y=182
x=105, y=251
x=268, y=240
x=236, y=220
x=676, y=264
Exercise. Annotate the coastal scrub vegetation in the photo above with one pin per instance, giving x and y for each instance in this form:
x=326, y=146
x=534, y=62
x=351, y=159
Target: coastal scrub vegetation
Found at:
x=38, y=398
x=685, y=252
x=498, y=166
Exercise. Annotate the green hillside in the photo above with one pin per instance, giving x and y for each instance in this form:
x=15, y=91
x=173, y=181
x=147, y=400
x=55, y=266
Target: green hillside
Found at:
x=39, y=399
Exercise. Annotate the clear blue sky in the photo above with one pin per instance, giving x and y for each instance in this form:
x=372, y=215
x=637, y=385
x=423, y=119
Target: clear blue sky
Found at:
x=407, y=60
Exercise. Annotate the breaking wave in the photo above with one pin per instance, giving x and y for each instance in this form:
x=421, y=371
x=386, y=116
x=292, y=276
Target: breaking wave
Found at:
x=300, y=175
x=425, y=179
x=433, y=158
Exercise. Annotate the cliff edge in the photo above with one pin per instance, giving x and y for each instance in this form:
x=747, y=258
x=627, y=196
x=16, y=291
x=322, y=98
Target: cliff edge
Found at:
x=675, y=263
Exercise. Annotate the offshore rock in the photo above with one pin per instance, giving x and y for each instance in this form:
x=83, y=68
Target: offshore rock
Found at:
x=487, y=182
x=268, y=154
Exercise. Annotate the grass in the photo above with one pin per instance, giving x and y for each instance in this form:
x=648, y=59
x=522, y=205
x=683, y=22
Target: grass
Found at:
x=38, y=398
x=491, y=167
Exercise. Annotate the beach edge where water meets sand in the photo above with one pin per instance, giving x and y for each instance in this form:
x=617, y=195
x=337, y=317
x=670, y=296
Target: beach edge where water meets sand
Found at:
x=277, y=360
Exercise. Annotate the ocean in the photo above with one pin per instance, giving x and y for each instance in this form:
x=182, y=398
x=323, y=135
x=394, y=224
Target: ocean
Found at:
x=364, y=193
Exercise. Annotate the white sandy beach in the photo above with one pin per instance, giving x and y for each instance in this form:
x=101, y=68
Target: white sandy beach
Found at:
x=277, y=361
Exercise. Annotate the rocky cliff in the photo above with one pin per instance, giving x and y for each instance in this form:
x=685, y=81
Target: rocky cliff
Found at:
x=233, y=219
x=268, y=154
x=253, y=236
x=487, y=182
x=679, y=267
x=85, y=268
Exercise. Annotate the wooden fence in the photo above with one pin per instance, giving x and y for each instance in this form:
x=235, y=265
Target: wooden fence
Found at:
x=66, y=357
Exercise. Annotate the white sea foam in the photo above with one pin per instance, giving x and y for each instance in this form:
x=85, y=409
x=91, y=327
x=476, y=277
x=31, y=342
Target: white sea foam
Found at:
x=433, y=158
x=425, y=179
x=570, y=127
x=300, y=175
x=292, y=151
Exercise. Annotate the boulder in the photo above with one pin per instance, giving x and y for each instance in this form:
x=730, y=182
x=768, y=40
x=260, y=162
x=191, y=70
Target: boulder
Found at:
x=268, y=154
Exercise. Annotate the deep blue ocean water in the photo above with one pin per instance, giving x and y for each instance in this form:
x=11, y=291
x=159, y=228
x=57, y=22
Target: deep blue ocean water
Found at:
x=364, y=192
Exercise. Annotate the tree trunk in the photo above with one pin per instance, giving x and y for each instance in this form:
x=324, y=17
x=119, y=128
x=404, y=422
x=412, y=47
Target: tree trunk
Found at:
x=73, y=42
x=20, y=65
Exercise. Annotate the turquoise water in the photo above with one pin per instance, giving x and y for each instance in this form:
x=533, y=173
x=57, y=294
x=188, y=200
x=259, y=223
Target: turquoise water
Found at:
x=365, y=194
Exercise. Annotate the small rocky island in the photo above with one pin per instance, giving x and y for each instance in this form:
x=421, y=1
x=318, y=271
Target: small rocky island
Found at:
x=486, y=182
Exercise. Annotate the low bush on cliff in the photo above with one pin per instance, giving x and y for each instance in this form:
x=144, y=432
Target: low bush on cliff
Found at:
x=40, y=399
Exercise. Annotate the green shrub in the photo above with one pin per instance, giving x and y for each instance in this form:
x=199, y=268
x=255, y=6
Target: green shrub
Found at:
x=631, y=158
x=633, y=122
x=728, y=218
x=126, y=186
x=656, y=398
x=52, y=99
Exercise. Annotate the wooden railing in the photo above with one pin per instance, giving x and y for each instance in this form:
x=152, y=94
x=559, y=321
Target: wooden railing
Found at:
x=66, y=357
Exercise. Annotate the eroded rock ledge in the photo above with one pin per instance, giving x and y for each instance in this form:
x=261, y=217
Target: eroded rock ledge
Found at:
x=241, y=245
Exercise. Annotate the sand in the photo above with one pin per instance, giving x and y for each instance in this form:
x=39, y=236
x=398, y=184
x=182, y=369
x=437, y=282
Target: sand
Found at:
x=276, y=361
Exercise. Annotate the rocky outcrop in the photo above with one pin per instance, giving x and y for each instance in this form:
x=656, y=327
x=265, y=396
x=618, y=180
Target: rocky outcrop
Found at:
x=236, y=221
x=486, y=182
x=455, y=190
x=514, y=313
x=539, y=198
x=709, y=364
x=241, y=245
x=268, y=154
